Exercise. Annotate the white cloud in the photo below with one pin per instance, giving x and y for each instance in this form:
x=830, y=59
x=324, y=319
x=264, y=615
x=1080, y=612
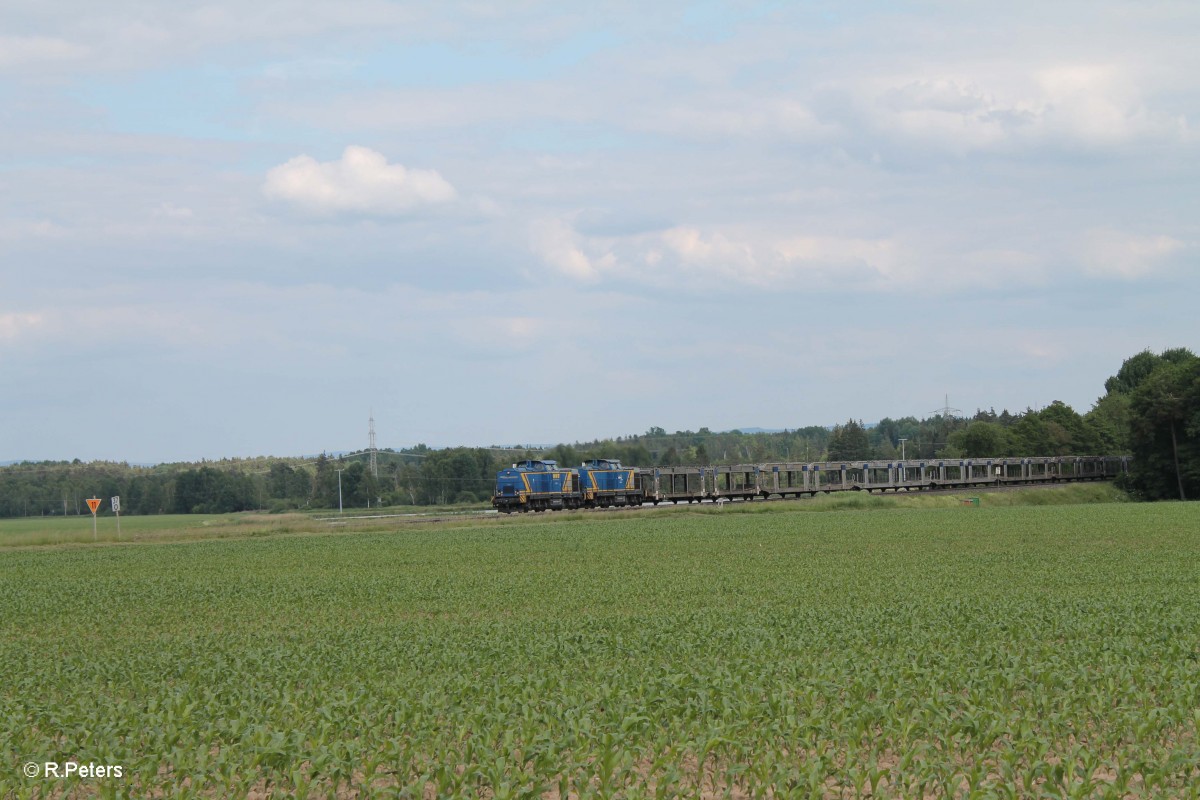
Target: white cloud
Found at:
x=23, y=50
x=171, y=211
x=712, y=252
x=934, y=95
x=360, y=182
x=710, y=258
x=78, y=319
x=715, y=257
x=1097, y=103
x=722, y=114
x=1109, y=253
x=14, y=324
x=969, y=106
x=12, y=230
x=482, y=335
x=559, y=246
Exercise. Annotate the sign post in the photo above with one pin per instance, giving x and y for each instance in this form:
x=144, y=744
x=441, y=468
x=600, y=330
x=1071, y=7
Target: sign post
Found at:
x=94, y=505
x=116, y=507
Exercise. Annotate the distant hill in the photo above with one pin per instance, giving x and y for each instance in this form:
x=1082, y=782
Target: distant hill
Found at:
x=867, y=425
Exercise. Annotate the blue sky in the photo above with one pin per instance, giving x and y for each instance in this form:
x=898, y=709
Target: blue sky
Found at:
x=233, y=232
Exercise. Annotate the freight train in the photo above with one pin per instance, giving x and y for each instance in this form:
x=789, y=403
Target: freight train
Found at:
x=542, y=485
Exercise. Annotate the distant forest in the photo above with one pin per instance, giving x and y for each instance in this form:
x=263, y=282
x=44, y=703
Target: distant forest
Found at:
x=1150, y=409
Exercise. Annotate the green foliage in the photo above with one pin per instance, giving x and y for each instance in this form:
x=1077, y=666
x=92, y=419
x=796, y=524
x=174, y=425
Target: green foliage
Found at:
x=287, y=481
x=1068, y=430
x=982, y=439
x=1110, y=420
x=969, y=652
x=1056, y=430
x=210, y=491
x=849, y=441
x=456, y=475
x=1138, y=368
x=325, y=483
x=1164, y=412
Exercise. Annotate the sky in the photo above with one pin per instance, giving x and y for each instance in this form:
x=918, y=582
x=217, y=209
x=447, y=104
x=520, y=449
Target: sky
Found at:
x=232, y=229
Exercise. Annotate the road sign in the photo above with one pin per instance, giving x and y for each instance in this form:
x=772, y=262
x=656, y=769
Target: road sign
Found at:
x=94, y=505
x=116, y=504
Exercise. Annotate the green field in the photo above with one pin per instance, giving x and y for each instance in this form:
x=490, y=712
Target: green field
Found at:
x=32, y=531
x=926, y=651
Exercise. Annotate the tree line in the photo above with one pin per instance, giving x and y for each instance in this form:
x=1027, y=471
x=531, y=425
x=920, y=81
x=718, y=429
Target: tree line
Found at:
x=1150, y=410
x=420, y=476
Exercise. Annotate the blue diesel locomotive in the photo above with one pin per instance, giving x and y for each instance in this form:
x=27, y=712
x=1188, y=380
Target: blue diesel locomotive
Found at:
x=536, y=486
x=543, y=485
x=605, y=482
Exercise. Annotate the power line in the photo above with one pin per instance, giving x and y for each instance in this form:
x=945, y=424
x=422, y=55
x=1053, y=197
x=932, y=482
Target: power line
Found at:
x=947, y=412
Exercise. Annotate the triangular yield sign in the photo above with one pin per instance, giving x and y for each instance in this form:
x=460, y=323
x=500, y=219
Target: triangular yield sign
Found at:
x=93, y=503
